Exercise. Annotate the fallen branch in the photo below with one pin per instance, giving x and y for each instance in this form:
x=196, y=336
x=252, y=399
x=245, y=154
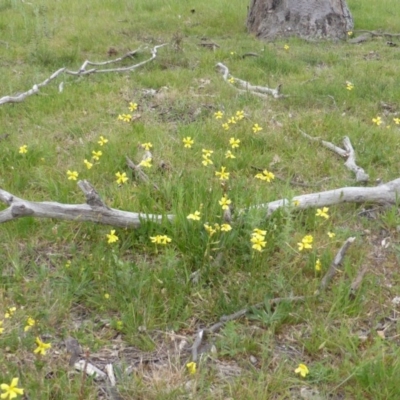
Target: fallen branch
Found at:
x=94, y=210
x=260, y=91
x=348, y=152
x=83, y=71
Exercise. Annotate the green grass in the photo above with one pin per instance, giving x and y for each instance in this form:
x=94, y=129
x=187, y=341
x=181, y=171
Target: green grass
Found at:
x=135, y=294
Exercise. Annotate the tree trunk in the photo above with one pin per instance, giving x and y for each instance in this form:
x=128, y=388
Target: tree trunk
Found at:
x=308, y=19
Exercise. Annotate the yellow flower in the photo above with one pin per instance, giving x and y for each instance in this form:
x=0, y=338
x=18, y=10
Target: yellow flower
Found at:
x=256, y=128
x=29, y=323
x=195, y=216
x=10, y=312
x=207, y=153
x=224, y=202
x=125, y=117
x=102, y=141
x=234, y=142
x=296, y=203
x=377, y=120
x=302, y=370
x=160, y=239
x=72, y=175
x=41, y=347
x=222, y=174
x=323, y=213
x=231, y=80
x=318, y=265
x=258, y=242
x=218, y=114
x=209, y=229
x=88, y=164
x=147, y=146
x=120, y=325
x=233, y=53
x=232, y=120
x=11, y=391
x=239, y=115
x=206, y=160
x=1, y=328
x=96, y=155
x=229, y=154
x=349, y=85
x=132, y=106
x=191, y=366
x=396, y=121
x=146, y=163
x=188, y=141
x=286, y=47
x=226, y=228
x=112, y=237
x=106, y=296
x=121, y=178
x=23, y=149
x=225, y=126
x=331, y=234
x=306, y=243
x=265, y=176
x=349, y=33
x=68, y=264
x=259, y=232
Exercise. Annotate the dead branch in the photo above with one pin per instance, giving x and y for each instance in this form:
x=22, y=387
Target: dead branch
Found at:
x=337, y=261
x=348, y=152
x=83, y=71
x=260, y=91
x=94, y=210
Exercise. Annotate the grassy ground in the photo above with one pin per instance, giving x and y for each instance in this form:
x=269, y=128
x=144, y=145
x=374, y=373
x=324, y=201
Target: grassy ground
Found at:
x=135, y=299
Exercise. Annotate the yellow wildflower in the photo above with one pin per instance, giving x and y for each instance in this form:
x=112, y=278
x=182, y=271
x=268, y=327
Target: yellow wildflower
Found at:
x=188, y=141
x=102, y=141
x=306, y=243
x=302, y=370
x=160, y=239
x=125, y=117
x=224, y=202
x=11, y=391
x=41, y=347
x=206, y=160
x=229, y=154
x=232, y=120
x=147, y=146
x=323, y=213
x=132, y=107
x=231, y=80
x=234, y=142
x=29, y=324
x=106, y=296
x=218, y=115
x=225, y=126
x=23, y=149
x=331, y=234
x=121, y=178
x=222, y=174
x=10, y=312
x=226, y=228
x=191, y=366
x=258, y=242
x=239, y=115
x=256, y=128
x=265, y=176
x=207, y=153
x=377, y=120
x=396, y=121
x=209, y=229
x=349, y=86
x=146, y=163
x=259, y=232
x=318, y=265
x=112, y=237
x=72, y=175
x=88, y=164
x=1, y=327
x=195, y=216
x=96, y=155
x=286, y=47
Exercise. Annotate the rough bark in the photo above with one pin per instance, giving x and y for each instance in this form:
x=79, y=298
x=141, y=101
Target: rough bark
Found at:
x=308, y=19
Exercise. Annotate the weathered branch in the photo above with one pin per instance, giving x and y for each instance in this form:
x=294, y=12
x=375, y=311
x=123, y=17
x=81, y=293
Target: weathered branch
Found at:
x=260, y=91
x=83, y=71
x=94, y=210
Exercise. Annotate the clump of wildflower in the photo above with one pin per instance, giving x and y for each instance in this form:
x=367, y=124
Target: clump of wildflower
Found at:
x=225, y=228
x=195, y=216
x=265, y=176
x=147, y=146
x=318, y=265
x=160, y=239
x=302, y=370
x=96, y=155
x=11, y=391
x=121, y=178
x=225, y=126
x=23, y=149
x=102, y=141
x=125, y=117
x=224, y=202
x=234, y=142
x=377, y=120
x=323, y=212
x=112, y=237
x=188, y=141
x=306, y=243
x=88, y=164
x=41, y=347
x=10, y=312
x=132, y=107
x=29, y=324
x=191, y=367
x=218, y=115
x=286, y=47
x=146, y=163
x=72, y=175
x=229, y=154
x=256, y=128
x=223, y=175
x=349, y=86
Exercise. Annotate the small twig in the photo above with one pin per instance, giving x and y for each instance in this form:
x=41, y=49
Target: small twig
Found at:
x=334, y=265
x=357, y=281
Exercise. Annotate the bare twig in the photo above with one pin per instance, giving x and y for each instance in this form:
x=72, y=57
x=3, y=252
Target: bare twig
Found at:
x=94, y=210
x=357, y=281
x=260, y=91
x=83, y=71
